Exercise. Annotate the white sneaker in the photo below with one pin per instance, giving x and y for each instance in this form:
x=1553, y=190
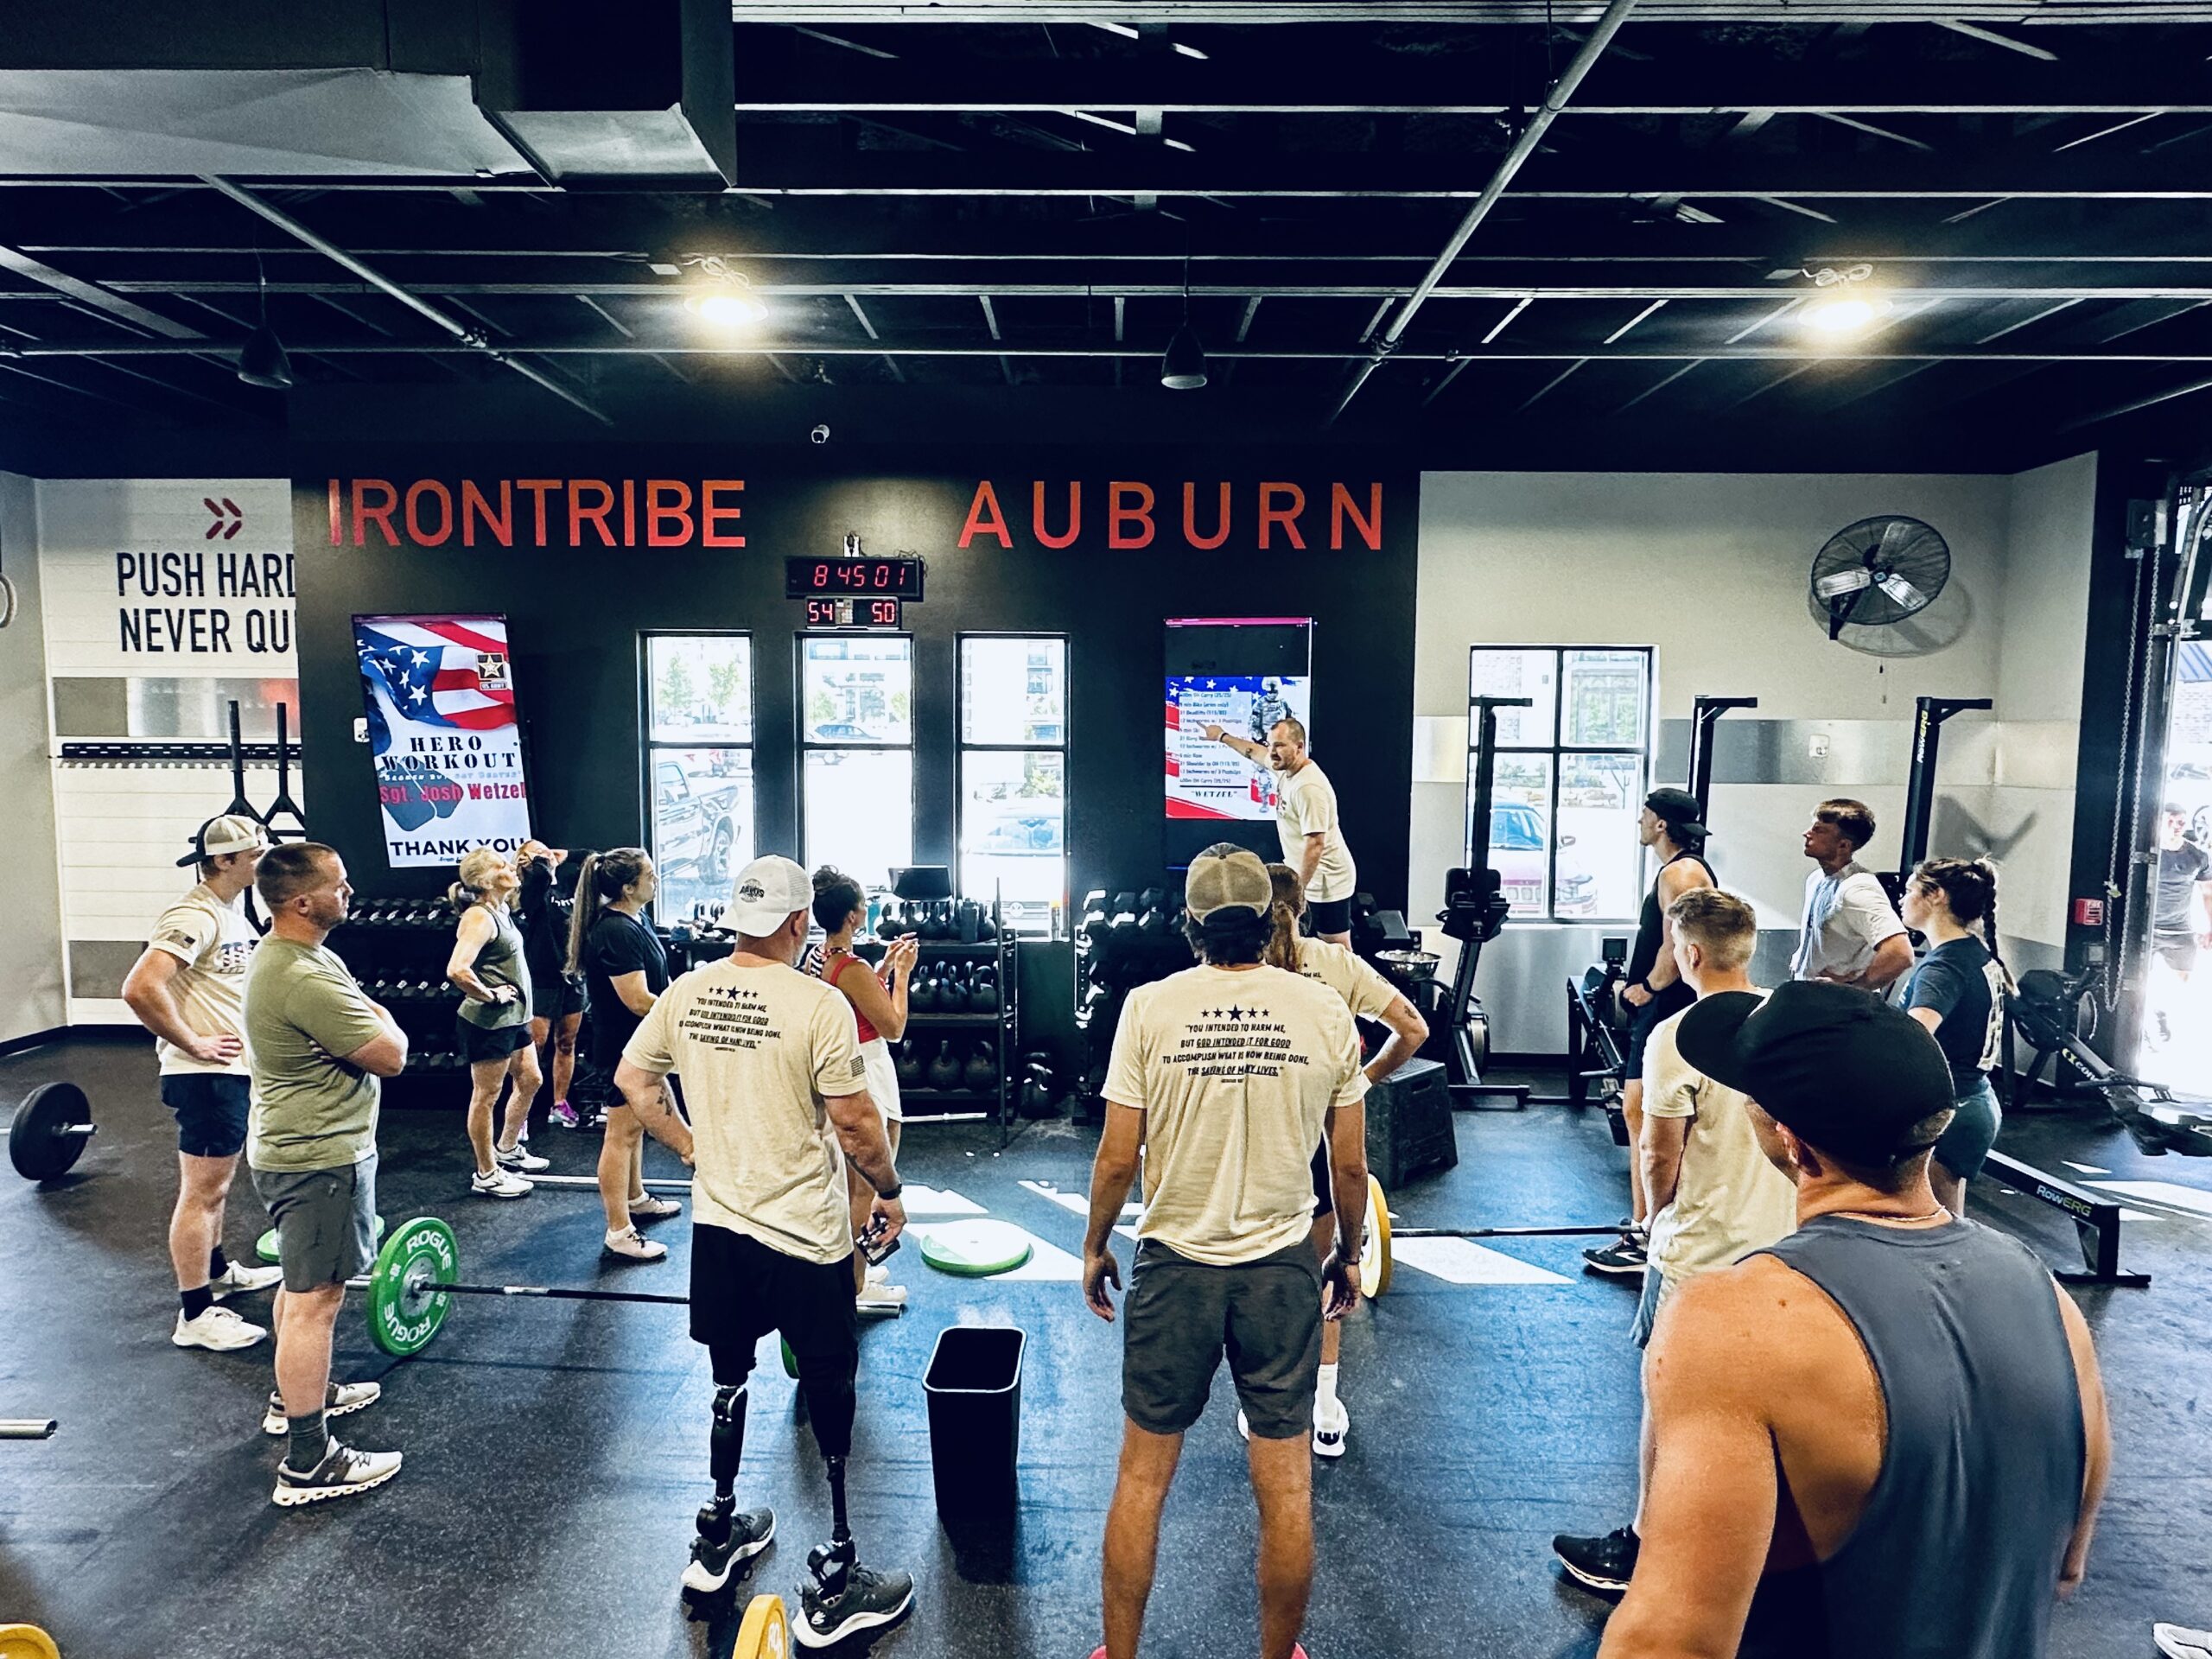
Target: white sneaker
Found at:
x=343, y=1471
x=1244, y=1428
x=650, y=1208
x=879, y=1275
x=520, y=1158
x=218, y=1330
x=500, y=1184
x=881, y=1298
x=635, y=1245
x=238, y=1277
x=1331, y=1422
x=343, y=1397
x=2175, y=1642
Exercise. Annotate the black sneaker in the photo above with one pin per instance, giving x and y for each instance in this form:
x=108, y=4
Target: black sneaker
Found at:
x=1625, y=1255
x=342, y=1472
x=870, y=1600
x=750, y=1531
x=1604, y=1563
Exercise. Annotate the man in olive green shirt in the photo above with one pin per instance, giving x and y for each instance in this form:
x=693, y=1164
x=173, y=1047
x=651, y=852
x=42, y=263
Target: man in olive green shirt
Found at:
x=318, y=1046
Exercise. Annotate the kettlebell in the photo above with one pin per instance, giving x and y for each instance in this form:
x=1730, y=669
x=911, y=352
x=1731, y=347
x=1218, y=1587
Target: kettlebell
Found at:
x=983, y=992
x=908, y=1065
x=943, y=1070
x=981, y=1071
x=921, y=991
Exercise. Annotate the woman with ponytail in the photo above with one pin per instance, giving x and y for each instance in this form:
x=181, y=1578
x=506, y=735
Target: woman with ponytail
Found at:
x=1958, y=992
x=625, y=970
x=1369, y=996
x=488, y=968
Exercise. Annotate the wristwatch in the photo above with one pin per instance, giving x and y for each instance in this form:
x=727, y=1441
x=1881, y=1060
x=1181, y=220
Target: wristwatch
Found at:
x=894, y=1192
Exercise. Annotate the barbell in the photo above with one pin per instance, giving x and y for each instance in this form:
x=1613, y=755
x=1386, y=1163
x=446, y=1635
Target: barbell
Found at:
x=1375, y=1251
x=50, y=1131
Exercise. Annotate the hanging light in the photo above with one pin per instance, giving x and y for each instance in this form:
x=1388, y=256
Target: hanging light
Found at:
x=1844, y=302
x=1183, y=366
x=261, y=361
x=726, y=299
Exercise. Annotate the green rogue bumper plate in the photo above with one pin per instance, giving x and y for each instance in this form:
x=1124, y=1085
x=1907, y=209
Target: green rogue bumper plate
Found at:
x=405, y=1306
x=976, y=1248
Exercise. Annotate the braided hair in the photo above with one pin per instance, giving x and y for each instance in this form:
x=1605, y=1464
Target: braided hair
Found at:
x=1969, y=888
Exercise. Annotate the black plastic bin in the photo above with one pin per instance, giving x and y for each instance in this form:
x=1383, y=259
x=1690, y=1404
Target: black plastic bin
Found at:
x=973, y=1389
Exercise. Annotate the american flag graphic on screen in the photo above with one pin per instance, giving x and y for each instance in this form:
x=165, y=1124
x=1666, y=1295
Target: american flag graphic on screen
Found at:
x=441, y=671
x=438, y=693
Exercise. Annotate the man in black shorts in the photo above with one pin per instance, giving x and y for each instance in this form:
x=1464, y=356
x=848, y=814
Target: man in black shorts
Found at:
x=1225, y=1077
x=1306, y=822
x=2181, y=919
x=1655, y=992
x=772, y=1078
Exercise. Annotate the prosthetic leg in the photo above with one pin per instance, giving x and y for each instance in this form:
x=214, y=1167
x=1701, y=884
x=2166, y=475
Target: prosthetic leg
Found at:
x=845, y=1597
x=727, y=1537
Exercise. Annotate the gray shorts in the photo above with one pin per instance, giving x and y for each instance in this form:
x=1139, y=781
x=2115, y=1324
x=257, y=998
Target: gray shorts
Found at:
x=1647, y=1307
x=326, y=1220
x=1182, y=1316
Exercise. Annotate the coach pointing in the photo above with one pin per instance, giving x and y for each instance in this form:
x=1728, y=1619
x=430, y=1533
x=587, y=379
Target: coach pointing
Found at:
x=1306, y=818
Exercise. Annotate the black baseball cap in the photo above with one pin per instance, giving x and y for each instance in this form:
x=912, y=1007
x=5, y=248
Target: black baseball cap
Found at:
x=1838, y=1067
x=1678, y=809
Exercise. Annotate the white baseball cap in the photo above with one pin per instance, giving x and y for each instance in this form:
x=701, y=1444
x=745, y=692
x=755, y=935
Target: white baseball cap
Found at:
x=231, y=833
x=767, y=891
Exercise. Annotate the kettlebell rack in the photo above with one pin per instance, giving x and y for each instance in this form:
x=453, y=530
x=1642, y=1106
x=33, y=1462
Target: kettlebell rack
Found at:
x=981, y=1036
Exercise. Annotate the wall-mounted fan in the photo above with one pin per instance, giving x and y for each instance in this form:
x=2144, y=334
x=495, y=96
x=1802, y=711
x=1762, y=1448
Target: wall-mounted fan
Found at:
x=1879, y=571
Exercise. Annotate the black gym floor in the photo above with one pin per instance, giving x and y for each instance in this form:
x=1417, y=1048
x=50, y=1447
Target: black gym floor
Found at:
x=556, y=1452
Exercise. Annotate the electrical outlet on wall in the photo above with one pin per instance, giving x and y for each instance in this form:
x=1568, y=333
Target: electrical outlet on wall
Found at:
x=1817, y=749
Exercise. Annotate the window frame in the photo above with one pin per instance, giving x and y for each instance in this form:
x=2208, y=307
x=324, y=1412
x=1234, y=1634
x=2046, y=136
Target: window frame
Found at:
x=1557, y=752
x=802, y=746
x=651, y=749
x=963, y=748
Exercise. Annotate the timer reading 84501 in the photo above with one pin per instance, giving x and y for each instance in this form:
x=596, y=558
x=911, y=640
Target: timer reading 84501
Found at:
x=853, y=577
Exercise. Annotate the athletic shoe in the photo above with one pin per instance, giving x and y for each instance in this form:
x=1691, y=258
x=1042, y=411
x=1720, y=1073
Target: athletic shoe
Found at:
x=563, y=1115
x=1604, y=1563
x=1625, y=1256
x=499, y=1183
x=871, y=1600
x=650, y=1208
x=342, y=1472
x=750, y=1531
x=343, y=1397
x=879, y=1275
x=1331, y=1422
x=879, y=1298
x=2177, y=1643
x=218, y=1330
x=237, y=1277
x=635, y=1245
x=521, y=1160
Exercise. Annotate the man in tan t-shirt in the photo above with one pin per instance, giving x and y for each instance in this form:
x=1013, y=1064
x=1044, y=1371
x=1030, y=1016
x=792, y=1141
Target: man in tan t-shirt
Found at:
x=188, y=989
x=1306, y=820
x=773, y=1080
x=1715, y=1196
x=1225, y=1078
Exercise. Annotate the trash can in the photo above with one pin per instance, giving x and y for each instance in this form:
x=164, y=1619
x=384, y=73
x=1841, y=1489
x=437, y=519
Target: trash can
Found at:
x=973, y=1389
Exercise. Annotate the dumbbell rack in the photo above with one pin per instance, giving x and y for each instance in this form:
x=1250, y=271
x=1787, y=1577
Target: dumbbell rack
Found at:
x=1003, y=1027
x=403, y=945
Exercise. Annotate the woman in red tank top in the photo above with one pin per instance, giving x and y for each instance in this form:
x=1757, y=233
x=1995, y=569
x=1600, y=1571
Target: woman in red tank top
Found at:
x=880, y=1010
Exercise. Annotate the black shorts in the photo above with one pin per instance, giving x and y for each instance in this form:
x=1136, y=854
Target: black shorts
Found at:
x=211, y=1110
x=741, y=1290
x=2177, y=950
x=479, y=1043
x=1646, y=1020
x=1182, y=1316
x=1329, y=915
x=555, y=999
x=1324, y=1197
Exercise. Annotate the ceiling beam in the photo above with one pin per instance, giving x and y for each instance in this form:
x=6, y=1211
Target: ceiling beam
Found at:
x=101, y=299
x=1128, y=13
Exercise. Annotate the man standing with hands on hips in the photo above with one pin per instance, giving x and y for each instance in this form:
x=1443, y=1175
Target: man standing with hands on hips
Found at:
x=1305, y=817
x=1851, y=934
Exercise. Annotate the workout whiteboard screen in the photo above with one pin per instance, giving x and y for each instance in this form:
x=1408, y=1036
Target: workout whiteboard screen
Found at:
x=440, y=695
x=1210, y=780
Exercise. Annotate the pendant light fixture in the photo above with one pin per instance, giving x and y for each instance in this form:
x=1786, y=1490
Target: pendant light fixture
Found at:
x=261, y=361
x=1183, y=366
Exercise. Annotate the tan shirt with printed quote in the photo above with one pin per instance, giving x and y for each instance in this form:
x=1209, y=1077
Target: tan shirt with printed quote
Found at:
x=760, y=1051
x=1349, y=974
x=214, y=944
x=1236, y=1071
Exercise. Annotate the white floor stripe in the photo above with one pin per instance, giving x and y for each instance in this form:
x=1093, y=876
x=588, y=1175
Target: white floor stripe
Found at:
x=1078, y=1204
x=2086, y=1169
x=1047, y=1262
x=2194, y=1200
x=1462, y=1261
x=921, y=1200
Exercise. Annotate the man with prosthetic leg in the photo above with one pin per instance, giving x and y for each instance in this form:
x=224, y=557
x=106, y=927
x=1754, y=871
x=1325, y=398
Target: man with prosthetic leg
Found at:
x=773, y=1081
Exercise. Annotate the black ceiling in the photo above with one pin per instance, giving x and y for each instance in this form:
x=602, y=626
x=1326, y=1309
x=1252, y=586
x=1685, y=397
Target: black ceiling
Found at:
x=983, y=227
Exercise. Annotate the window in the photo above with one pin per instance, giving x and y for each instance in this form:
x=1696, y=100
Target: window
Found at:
x=856, y=752
x=1013, y=774
x=1570, y=777
x=699, y=765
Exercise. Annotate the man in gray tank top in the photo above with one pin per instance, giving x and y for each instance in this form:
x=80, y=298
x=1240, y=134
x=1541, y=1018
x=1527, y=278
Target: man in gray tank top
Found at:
x=1890, y=1426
